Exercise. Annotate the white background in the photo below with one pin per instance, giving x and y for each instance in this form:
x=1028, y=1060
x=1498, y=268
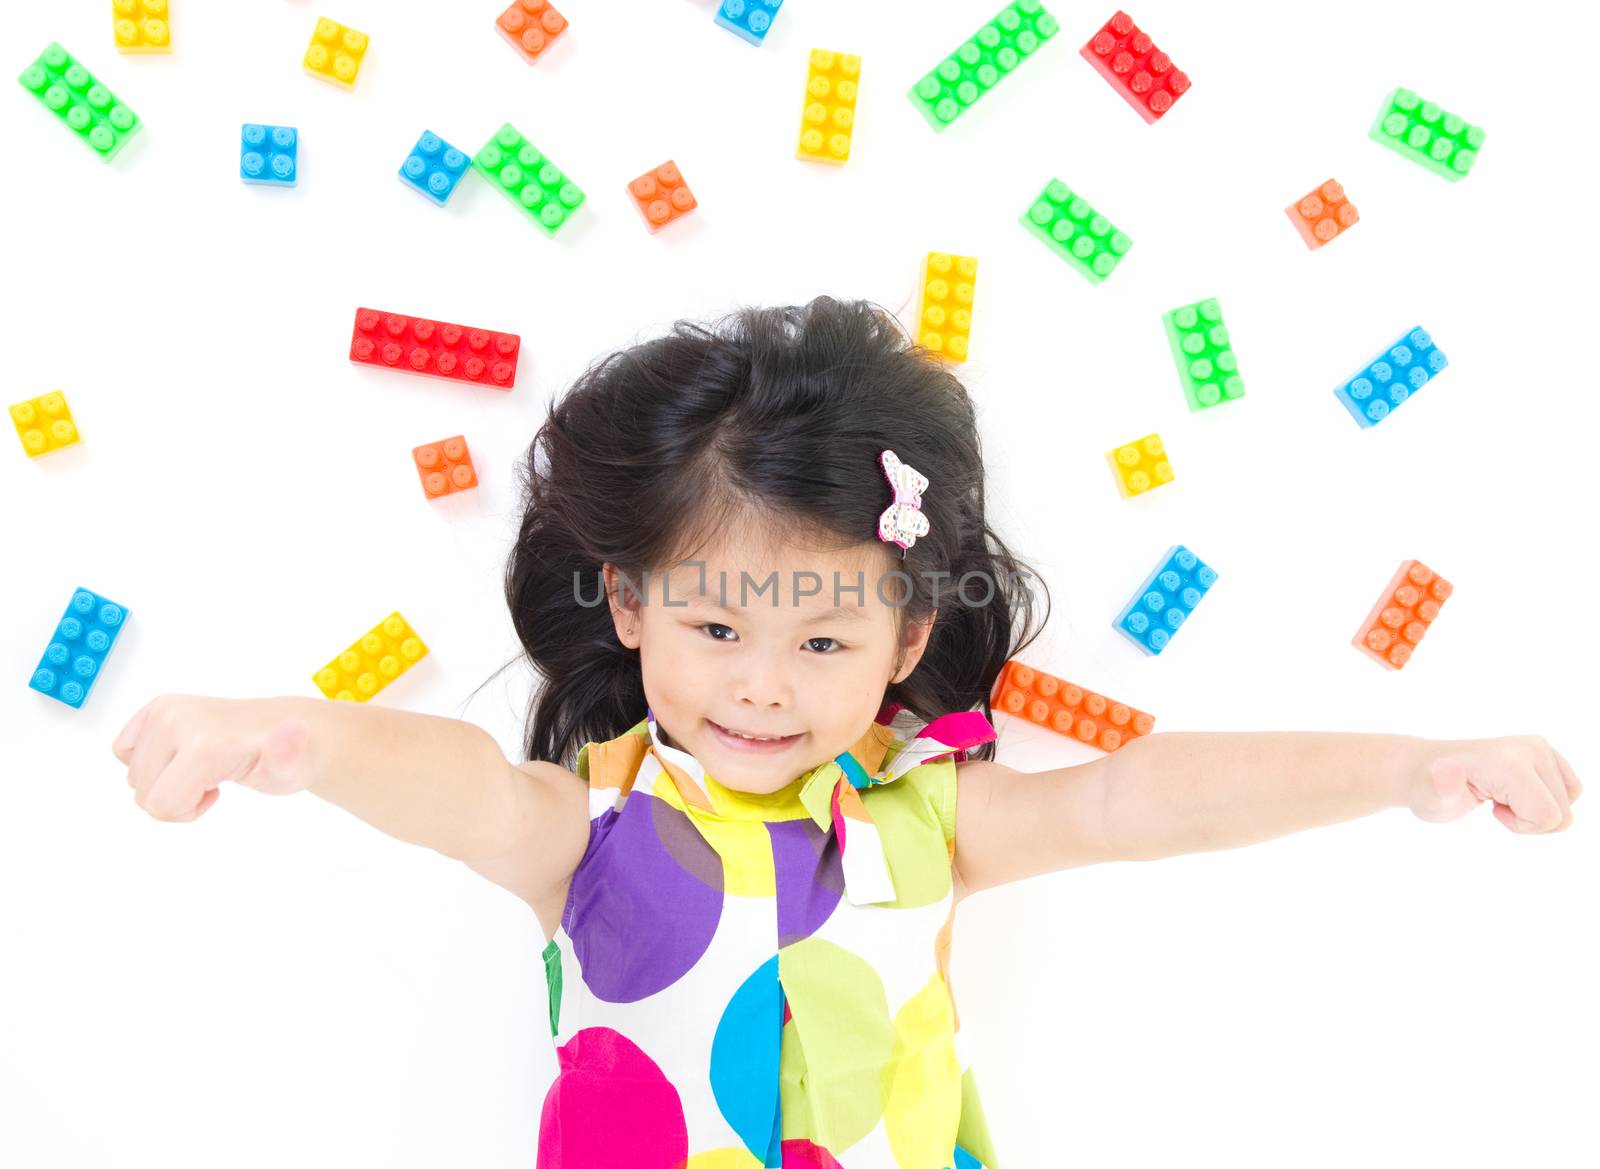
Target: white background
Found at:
x=281, y=984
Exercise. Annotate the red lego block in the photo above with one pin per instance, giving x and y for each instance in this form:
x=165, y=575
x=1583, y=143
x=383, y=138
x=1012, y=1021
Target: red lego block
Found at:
x=435, y=348
x=445, y=466
x=531, y=26
x=1127, y=58
x=1402, y=615
x=1322, y=215
x=662, y=196
x=1067, y=709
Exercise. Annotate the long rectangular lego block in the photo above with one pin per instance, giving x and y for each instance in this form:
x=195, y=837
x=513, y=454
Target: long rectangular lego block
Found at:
x=944, y=309
x=662, y=196
x=1384, y=383
x=335, y=53
x=1067, y=709
x=1404, y=613
x=445, y=467
x=433, y=168
x=973, y=69
x=1446, y=144
x=749, y=20
x=531, y=26
x=83, y=104
x=435, y=348
x=1076, y=232
x=829, y=118
x=141, y=26
x=269, y=156
x=44, y=424
x=1203, y=352
x=1140, y=466
x=519, y=171
x=1142, y=74
x=78, y=648
x=377, y=658
x=1165, y=600
x=1323, y=215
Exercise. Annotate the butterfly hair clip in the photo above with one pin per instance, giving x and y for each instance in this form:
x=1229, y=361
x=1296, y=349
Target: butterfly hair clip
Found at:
x=902, y=521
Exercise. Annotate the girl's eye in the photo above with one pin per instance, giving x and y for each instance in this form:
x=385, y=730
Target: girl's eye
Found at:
x=812, y=642
x=714, y=637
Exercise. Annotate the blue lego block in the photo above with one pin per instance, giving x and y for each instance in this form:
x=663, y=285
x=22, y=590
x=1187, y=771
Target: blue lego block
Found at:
x=1165, y=599
x=434, y=167
x=1388, y=380
x=749, y=19
x=269, y=155
x=78, y=648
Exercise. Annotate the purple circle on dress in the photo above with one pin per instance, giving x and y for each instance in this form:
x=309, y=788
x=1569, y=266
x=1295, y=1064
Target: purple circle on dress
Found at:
x=810, y=877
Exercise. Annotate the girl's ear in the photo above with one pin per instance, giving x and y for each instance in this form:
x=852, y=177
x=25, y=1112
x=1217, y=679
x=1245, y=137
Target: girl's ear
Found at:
x=916, y=642
x=624, y=595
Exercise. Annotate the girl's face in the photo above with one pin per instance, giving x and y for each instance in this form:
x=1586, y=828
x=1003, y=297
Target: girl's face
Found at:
x=778, y=642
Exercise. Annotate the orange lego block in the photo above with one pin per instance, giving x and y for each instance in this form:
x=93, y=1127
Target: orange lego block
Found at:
x=662, y=196
x=335, y=53
x=445, y=466
x=1402, y=615
x=944, y=317
x=531, y=26
x=1322, y=215
x=44, y=424
x=1140, y=466
x=829, y=117
x=141, y=26
x=1067, y=709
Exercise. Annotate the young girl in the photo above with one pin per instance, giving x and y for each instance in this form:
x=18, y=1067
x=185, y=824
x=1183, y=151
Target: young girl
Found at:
x=755, y=575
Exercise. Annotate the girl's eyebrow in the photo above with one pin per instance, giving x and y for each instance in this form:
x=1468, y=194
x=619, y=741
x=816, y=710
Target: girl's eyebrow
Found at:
x=707, y=600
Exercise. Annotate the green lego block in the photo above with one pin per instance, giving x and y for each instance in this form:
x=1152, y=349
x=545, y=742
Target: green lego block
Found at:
x=1076, y=232
x=1444, y=143
x=522, y=174
x=87, y=108
x=972, y=70
x=1200, y=345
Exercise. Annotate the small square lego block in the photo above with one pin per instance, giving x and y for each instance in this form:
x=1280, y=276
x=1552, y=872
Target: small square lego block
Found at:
x=1405, y=612
x=44, y=424
x=516, y=168
x=662, y=196
x=141, y=26
x=1388, y=380
x=944, y=315
x=1322, y=215
x=78, y=648
x=1142, y=74
x=1076, y=232
x=1067, y=709
x=969, y=72
x=269, y=156
x=383, y=653
x=829, y=117
x=749, y=19
x=531, y=26
x=433, y=167
x=1165, y=600
x=88, y=109
x=1203, y=352
x=1140, y=466
x=335, y=53
x=1444, y=143
x=445, y=467
x=435, y=348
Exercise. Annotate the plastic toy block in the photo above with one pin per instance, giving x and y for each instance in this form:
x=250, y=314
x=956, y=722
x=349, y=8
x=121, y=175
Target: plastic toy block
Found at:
x=972, y=70
x=944, y=318
x=435, y=348
x=531, y=181
x=433, y=167
x=1076, y=232
x=78, y=648
x=1142, y=74
x=1140, y=466
x=531, y=26
x=1323, y=215
x=383, y=653
x=44, y=424
x=141, y=26
x=1203, y=351
x=749, y=19
x=1165, y=600
x=1404, y=613
x=1067, y=709
x=88, y=108
x=269, y=155
x=1444, y=143
x=445, y=466
x=662, y=196
x=335, y=53
x=829, y=117
x=1387, y=381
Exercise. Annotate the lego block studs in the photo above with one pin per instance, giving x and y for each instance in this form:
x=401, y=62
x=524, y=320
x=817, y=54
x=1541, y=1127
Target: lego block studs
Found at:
x=1402, y=615
x=1140, y=466
x=1419, y=130
x=44, y=424
x=335, y=53
x=1204, y=355
x=749, y=20
x=1385, y=383
x=435, y=348
x=516, y=168
x=944, y=315
x=1142, y=74
x=531, y=26
x=829, y=117
x=269, y=155
x=381, y=655
x=662, y=196
x=445, y=467
x=957, y=82
x=84, y=106
x=141, y=26
x=1067, y=709
x=1165, y=600
x=1323, y=215
x=433, y=168
x=78, y=648
x=1076, y=232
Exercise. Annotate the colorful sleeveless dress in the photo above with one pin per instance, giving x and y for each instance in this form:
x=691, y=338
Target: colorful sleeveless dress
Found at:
x=749, y=981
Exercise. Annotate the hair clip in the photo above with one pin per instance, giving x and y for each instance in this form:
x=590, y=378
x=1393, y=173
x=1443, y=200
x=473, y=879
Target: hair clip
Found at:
x=902, y=521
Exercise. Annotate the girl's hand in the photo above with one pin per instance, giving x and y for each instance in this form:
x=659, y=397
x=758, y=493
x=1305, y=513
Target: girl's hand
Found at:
x=180, y=748
x=1531, y=785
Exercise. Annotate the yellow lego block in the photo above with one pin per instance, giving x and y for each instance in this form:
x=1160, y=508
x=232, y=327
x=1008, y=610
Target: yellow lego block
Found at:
x=141, y=26
x=44, y=424
x=386, y=651
x=829, y=116
x=1140, y=466
x=335, y=53
x=944, y=319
